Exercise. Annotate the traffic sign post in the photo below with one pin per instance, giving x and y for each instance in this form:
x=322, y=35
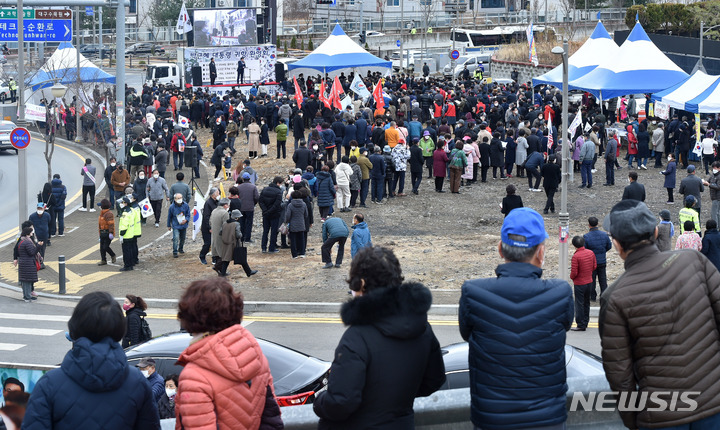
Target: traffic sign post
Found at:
x=43, y=26
x=20, y=138
x=454, y=54
x=398, y=43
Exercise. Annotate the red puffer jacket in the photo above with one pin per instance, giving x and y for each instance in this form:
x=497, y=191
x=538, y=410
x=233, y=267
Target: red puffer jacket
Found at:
x=224, y=383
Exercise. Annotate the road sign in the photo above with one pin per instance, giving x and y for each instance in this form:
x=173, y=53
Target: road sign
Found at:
x=89, y=11
x=37, y=30
x=53, y=14
x=398, y=43
x=12, y=13
x=454, y=54
x=20, y=138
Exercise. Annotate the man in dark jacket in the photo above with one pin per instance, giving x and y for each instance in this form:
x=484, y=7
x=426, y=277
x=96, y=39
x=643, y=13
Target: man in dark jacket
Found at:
x=520, y=350
x=416, y=165
x=249, y=197
x=692, y=185
x=270, y=202
x=210, y=205
x=533, y=164
x=711, y=243
x=667, y=342
x=334, y=230
x=302, y=157
x=298, y=128
x=610, y=158
x=59, y=191
x=598, y=242
x=377, y=174
x=634, y=191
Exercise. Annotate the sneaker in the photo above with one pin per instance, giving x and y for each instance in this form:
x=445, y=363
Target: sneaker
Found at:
x=274, y=252
x=203, y=260
x=337, y=265
x=92, y=209
x=182, y=251
x=113, y=258
x=27, y=300
x=126, y=269
x=537, y=190
x=380, y=202
x=83, y=209
x=328, y=266
x=671, y=203
x=33, y=294
x=264, y=251
x=61, y=235
x=252, y=272
x=301, y=255
x=593, y=170
x=582, y=186
x=643, y=167
x=102, y=263
x=33, y=298
x=530, y=189
x=157, y=225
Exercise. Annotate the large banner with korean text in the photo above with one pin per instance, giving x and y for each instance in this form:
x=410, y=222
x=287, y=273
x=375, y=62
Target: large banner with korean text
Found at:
x=259, y=63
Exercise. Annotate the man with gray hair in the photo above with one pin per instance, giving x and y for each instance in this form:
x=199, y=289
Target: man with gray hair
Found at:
x=208, y=207
x=515, y=325
x=659, y=327
x=217, y=218
x=610, y=157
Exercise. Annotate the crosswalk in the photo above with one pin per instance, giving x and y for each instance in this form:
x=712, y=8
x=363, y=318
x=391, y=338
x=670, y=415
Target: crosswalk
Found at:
x=18, y=330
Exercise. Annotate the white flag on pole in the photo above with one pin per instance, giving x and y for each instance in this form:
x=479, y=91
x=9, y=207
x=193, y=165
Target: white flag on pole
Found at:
x=146, y=208
x=358, y=87
x=197, y=214
x=575, y=124
x=183, y=23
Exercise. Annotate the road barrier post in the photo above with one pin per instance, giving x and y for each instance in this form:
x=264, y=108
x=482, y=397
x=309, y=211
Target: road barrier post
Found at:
x=61, y=273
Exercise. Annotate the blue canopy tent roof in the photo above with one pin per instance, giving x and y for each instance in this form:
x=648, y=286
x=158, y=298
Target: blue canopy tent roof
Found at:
x=61, y=67
x=700, y=93
x=599, y=46
x=638, y=67
x=338, y=54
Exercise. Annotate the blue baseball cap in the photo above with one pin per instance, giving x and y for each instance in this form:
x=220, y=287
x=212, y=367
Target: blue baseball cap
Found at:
x=526, y=227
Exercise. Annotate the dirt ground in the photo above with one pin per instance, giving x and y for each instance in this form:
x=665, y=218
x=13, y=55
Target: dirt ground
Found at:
x=441, y=239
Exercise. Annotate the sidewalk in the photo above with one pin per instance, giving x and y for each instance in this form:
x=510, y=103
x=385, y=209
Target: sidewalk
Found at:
x=80, y=245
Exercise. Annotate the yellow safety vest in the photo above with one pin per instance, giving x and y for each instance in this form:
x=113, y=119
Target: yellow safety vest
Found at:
x=688, y=214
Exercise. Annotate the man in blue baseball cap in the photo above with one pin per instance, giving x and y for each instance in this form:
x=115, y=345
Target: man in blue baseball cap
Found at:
x=515, y=324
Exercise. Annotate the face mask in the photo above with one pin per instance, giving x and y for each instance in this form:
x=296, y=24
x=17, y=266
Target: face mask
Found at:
x=145, y=373
x=354, y=293
x=178, y=201
x=156, y=176
x=165, y=130
x=141, y=176
x=113, y=164
x=315, y=147
x=170, y=392
x=629, y=181
x=126, y=307
x=669, y=159
x=40, y=212
x=715, y=172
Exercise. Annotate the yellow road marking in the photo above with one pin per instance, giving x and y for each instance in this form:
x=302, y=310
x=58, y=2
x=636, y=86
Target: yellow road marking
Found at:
x=313, y=320
x=14, y=231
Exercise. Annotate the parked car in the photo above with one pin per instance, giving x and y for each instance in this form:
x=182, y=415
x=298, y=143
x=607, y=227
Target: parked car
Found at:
x=370, y=33
x=145, y=48
x=93, y=50
x=578, y=363
x=4, y=92
x=297, y=377
x=472, y=63
x=5, y=128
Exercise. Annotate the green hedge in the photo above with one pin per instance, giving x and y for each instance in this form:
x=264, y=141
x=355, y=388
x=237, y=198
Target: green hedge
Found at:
x=678, y=19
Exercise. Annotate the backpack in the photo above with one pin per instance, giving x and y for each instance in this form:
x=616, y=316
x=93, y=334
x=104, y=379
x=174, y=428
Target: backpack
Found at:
x=145, y=332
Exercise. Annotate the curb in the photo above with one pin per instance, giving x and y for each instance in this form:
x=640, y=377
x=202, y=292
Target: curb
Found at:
x=266, y=307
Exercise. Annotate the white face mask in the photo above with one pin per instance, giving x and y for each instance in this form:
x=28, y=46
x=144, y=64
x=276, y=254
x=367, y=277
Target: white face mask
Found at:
x=113, y=164
x=715, y=172
x=141, y=176
x=40, y=212
x=145, y=373
x=315, y=147
x=355, y=293
x=178, y=201
x=170, y=392
x=156, y=176
x=669, y=159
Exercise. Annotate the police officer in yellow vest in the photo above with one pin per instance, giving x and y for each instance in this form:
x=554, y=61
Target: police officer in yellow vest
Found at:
x=689, y=214
x=126, y=228
x=137, y=226
x=478, y=74
x=12, y=86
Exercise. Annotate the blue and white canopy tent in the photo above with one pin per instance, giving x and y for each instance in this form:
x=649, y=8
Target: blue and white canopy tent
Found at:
x=637, y=67
x=700, y=93
x=62, y=68
x=339, y=54
x=599, y=46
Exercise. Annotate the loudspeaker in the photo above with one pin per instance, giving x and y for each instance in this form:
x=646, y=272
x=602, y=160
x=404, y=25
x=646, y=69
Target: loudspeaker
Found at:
x=191, y=156
x=197, y=76
x=279, y=72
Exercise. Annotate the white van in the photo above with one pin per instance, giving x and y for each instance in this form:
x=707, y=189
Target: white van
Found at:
x=164, y=73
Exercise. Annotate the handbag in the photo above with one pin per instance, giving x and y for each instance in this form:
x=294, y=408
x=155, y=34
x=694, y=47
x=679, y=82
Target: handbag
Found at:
x=240, y=255
x=38, y=261
x=283, y=229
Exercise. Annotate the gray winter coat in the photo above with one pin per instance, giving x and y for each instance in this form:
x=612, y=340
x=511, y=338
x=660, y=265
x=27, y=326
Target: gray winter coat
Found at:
x=356, y=177
x=296, y=215
x=157, y=189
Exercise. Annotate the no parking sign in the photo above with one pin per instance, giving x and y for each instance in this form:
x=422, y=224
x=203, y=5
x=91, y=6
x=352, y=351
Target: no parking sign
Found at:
x=20, y=138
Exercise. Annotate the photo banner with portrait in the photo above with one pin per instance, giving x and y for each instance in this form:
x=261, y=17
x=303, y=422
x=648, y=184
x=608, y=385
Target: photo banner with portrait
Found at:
x=259, y=63
x=225, y=27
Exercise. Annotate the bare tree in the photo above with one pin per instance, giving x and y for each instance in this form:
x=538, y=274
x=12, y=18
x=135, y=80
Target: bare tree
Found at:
x=381, y=4
x=567, y=7
x=427, y=7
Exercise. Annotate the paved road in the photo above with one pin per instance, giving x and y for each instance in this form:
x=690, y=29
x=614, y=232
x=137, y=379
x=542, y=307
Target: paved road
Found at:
x=66, y=161
x=35, y=332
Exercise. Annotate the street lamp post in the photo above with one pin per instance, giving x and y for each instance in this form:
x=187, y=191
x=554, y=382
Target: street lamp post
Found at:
x=699, y=65
x=564, y=215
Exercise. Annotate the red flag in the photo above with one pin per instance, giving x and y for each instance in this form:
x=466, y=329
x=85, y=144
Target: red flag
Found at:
x=323, y=98
x=335, y=93
x=551, y=142
x=298, y=93
x=378, y=96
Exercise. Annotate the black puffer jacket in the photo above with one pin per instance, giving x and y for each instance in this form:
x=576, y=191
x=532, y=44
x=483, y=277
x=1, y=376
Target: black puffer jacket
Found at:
x=388, y=356
x=132, y=336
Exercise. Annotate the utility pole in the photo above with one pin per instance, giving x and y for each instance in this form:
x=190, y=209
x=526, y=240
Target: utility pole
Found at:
x=101, y=33
x=402, y=32
x=78, y=102
x=120, y=79
x=564, y=215
x=22, y=154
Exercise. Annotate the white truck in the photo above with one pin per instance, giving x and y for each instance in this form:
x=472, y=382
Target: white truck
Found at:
x=164, y=73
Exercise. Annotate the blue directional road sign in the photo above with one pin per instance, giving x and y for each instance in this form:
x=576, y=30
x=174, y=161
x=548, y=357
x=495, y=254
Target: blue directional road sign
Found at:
x=37, y=30
x=398, y=43
x=20, y=138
